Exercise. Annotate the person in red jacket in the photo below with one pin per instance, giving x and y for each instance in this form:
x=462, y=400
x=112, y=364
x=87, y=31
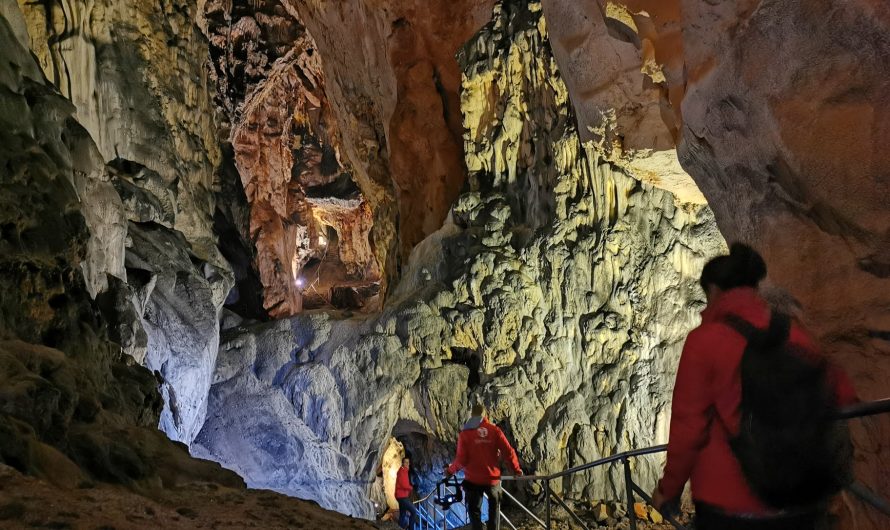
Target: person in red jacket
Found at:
x=407, y=512
x=707, y=395
x=481, y=447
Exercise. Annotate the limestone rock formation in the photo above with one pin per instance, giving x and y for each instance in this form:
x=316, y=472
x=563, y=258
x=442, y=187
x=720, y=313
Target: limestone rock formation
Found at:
x=510, y=225
x=94, y=277
x=309, y=221
x=74, y=408
x=149, y=213
x=130, y=70
x=557, y=292
x=392, y=77
x=780, y=114
x=618, y=87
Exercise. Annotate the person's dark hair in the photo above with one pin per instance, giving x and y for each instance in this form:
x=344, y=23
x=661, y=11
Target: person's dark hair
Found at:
x=478, y=410
x=743, y=267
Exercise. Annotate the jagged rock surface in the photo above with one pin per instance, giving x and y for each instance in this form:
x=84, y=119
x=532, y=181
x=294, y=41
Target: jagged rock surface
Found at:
x=778, y=110
x=73, y=408
x=618, y=88
x=558, y=291
x=392, y=77
x=77, y=413
x=134, y=72
x=150, y=211
x=309, y=221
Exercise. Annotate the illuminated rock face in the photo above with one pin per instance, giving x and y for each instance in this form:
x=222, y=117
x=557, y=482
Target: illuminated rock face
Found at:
x=618, y=88
x=780, y=110
x=147, y=104
x=533, y=263
x=392, y=76
x=309, y=221
x=558, y=292
x=75, y=409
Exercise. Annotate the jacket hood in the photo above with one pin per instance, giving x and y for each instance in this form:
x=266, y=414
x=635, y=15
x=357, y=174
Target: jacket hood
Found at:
x=473, y=423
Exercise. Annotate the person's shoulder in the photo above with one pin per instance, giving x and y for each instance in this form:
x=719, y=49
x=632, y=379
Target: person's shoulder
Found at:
x=708, y=331
x=493, y=427
x=710, y=338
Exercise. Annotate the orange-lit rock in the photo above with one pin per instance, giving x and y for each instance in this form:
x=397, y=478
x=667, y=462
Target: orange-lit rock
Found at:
x=392, y=77
x=300, y=191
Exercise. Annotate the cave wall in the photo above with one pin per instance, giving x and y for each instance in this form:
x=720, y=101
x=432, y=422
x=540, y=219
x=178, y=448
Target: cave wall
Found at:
x=75, y=410
x=786, y=131
x=135, y=76
x=557, y=292
x=392, y=77
x=522, y=208
x=779, y=111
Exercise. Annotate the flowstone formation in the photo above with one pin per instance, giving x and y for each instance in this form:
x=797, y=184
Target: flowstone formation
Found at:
x=558, y=291
x=75, y=409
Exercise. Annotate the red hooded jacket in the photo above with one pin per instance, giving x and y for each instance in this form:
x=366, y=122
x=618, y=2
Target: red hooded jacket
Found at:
x=403, y=484
x=480, y=448
x=705, y=410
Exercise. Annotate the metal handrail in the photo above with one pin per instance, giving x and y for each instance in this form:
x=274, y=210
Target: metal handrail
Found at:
x=584, y=467
x=869, y=408
x=858, y=410
x=631, y=488
x=428, y=495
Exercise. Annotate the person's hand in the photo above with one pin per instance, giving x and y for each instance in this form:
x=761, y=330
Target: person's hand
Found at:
x=446, y=472
x=519, y=473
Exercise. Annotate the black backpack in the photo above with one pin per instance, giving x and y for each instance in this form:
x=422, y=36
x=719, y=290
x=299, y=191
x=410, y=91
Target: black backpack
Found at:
x=792, y=450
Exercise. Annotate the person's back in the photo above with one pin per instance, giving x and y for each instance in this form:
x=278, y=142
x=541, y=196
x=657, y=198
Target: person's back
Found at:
x=706, y=408
x=713, y=353
x=481, y=446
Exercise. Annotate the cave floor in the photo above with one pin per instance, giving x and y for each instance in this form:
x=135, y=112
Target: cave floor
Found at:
x=27, y=502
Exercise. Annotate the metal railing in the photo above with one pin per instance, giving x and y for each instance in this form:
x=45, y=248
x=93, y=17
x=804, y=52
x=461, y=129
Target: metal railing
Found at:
x=433, y=518
x=630, y=486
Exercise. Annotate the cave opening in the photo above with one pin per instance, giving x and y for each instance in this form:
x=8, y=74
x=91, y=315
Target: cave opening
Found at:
x=470, y=359
x=428, y=456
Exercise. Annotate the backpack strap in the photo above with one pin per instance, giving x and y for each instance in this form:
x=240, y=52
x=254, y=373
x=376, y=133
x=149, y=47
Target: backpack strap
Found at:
x=776, y=334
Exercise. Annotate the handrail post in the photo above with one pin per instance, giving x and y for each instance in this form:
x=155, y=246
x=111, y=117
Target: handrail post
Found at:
x=628, y=486
x=547, y=502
